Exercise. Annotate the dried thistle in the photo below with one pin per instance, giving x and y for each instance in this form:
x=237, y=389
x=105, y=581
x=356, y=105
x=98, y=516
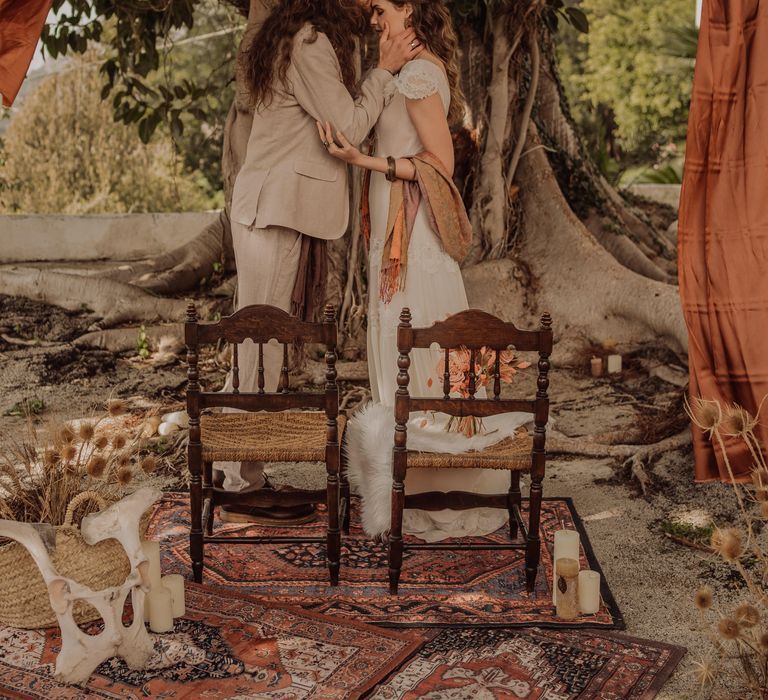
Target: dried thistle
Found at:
x=747, y=615
x=703, y=598
x=96, y=466
x=51, y=457
x=86, y=431
x=66, y=434
x=764, y=510
x=737, y=421
x=124, y=475
x=705, y=672
x=101, y=442
x=729, y=629
x=116, y=407
x=727, y=543
x=148, y=464
x=119, y=441
x=68, y=452
x=705, y=414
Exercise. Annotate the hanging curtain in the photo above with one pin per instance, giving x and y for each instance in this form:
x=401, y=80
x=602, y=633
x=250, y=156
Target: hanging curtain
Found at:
x=723, y=227
x=21, y=22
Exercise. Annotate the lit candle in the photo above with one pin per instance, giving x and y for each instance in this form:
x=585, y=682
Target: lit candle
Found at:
x=175, y=585
x=614, y=364
x=566, y=547
x=567, y=573
x=596, y=366
x=151, y=551
x=589, y=592
x=160, y=610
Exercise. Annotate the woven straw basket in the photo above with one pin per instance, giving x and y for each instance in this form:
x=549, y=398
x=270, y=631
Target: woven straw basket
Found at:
x=23, y=593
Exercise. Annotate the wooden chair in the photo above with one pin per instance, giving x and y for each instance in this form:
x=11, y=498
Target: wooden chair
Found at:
x=278, y=432
x=472, y=330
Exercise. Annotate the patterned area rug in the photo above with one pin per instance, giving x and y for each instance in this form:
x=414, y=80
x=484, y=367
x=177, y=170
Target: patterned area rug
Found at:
x=225, y=647
x=438, y=588
x=486, y=664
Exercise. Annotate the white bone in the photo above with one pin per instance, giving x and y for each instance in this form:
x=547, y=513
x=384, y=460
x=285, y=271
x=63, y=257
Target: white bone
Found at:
x=81, y=653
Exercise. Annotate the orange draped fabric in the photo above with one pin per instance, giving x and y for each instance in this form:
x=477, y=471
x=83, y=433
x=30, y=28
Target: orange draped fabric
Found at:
x=723, y=227
x=21, y=22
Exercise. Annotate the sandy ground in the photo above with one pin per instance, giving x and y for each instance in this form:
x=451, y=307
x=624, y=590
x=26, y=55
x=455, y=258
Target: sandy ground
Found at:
x=652, y=578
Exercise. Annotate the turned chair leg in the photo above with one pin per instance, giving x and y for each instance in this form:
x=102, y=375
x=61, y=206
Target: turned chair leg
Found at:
x=196, y=514
x=334, y=531
x=396, y=528
x=514, y=501
x=208, y=493
x=533, y=544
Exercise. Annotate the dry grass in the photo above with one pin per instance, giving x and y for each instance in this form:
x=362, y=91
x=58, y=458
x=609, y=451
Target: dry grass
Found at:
x=738, y=660
x=41, y=472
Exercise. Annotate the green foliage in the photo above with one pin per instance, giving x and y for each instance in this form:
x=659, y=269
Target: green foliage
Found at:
x=636, y=62
x=142, y=343
x=156, y=72
x=64, y=153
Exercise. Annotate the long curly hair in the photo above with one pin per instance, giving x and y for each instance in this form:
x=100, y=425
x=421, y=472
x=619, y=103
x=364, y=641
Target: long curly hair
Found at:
x=431, y=20
x=269, y=55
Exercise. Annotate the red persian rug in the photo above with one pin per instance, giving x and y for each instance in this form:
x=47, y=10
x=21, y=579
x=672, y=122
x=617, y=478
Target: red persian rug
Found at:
x=225, y=647
x=465, y=664
x=437, y=588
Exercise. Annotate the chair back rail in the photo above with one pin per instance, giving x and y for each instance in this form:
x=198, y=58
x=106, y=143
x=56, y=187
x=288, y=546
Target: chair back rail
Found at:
x=473, y=329
x=260, y=323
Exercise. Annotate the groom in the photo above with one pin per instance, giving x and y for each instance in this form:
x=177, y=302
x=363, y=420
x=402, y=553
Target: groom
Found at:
x=289, y=197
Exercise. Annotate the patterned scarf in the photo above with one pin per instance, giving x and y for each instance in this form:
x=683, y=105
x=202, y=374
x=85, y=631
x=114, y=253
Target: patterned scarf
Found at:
x=445, y=211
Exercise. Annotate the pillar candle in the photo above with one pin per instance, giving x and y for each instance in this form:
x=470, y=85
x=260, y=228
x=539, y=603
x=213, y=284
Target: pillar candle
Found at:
x=175, y=585
x=589, y=592
x=566, y=547
x=614, y=364
x=567, y=573
x=151, y=551
x=160, y=610
x=596, y=366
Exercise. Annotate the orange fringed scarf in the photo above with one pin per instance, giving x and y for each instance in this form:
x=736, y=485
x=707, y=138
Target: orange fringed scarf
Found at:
x=445, y=211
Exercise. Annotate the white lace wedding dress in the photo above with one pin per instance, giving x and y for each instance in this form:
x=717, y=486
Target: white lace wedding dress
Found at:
x=434, y=289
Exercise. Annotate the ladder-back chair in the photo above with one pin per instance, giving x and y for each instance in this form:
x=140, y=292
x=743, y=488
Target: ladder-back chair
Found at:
x=472, y=330
x=275, y=427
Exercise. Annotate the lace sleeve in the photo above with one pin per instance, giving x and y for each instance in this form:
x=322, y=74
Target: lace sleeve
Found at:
x=419, y=79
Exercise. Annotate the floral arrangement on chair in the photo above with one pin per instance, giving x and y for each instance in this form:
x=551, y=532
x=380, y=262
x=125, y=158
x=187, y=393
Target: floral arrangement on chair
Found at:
x=485, y=373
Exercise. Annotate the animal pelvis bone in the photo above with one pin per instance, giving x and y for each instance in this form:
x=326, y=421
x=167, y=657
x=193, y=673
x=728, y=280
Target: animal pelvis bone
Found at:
x=81, y=653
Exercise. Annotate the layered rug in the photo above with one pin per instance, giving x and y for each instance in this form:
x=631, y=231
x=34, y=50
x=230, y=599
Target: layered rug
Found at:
x=438, y=588
x=467, y=664
x=225, y=647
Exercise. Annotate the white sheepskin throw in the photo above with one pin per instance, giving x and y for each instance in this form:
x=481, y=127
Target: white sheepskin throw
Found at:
x=368, y=448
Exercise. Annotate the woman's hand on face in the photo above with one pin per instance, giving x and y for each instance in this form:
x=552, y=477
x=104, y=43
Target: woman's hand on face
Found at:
x=339, y=147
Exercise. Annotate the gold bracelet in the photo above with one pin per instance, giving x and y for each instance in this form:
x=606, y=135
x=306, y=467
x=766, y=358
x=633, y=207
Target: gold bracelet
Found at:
x=391, y=169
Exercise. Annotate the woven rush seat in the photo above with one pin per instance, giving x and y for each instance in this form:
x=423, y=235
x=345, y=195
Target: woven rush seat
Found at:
x=512, y=454
x=286, y=436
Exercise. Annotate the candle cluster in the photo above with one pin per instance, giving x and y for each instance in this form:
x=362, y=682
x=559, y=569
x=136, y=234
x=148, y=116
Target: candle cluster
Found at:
x=573, y=591
x=165, y=600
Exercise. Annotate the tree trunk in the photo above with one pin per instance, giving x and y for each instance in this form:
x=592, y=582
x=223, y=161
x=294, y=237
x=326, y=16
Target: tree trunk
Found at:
x=580, y=251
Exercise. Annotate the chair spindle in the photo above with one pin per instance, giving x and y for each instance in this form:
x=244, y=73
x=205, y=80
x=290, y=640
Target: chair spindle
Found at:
x=497, y=376
x=284, y=381
x=447, y=376
x=261, y=368
x=472, y=376
x=235, y=370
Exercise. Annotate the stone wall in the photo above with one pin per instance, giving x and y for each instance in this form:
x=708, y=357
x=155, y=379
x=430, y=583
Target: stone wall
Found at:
x=51, y=237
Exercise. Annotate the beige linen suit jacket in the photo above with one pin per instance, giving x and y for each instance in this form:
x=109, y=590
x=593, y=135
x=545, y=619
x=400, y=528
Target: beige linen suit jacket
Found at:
x=288, y=179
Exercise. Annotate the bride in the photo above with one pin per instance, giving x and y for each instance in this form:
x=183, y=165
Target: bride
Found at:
x=413, y=144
